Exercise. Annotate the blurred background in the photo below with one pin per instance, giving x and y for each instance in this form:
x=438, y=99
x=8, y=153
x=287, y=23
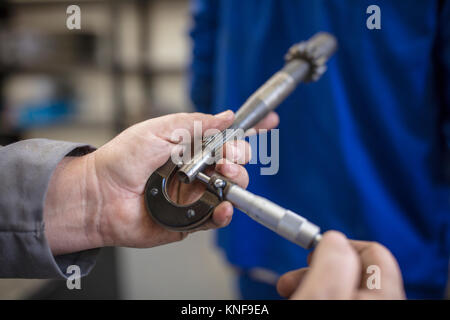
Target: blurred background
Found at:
x=126, y=64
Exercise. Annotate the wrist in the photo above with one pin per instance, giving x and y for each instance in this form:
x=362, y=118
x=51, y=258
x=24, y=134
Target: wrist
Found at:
x=72, y=206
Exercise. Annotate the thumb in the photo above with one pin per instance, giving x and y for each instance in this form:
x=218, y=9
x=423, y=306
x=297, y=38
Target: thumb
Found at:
x=334, y=272
x=147, y=145
x=167, y=135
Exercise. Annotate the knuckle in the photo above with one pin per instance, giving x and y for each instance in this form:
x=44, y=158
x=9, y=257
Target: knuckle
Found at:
x=182, y=115
x=377, y=250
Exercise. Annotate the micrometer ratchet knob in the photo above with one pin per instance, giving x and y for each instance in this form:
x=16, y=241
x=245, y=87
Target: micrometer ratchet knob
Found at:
x=284, y=222
x=316, y=51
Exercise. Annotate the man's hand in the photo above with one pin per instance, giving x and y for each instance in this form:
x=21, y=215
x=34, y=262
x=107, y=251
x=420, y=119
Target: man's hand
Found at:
x=338, y=271
x=97, y=200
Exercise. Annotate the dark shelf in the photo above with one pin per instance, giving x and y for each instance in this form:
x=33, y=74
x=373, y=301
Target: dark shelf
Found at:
x=151, y=71
x=111, y=64
x=58, y=2
x=69, y=2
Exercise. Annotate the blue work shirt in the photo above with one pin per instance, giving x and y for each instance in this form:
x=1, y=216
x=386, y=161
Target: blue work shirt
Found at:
x=364, y=149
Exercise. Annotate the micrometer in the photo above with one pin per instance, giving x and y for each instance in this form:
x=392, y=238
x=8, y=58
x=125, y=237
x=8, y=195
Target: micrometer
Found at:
x=305, y=61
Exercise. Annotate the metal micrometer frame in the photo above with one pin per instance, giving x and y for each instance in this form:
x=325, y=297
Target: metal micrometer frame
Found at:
x=305, y=61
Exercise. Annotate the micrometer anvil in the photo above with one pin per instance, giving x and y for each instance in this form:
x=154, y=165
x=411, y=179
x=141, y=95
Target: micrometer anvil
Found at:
x=305, y=61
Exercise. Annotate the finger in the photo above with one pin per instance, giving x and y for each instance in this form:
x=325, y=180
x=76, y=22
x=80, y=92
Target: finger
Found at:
x=238, y=151
x=269, y=122
x=220, y=218
x=290, y=281
x=234, y=172
x=334, y=271
x=173, y=127
x=376, y=259
x=222, y=214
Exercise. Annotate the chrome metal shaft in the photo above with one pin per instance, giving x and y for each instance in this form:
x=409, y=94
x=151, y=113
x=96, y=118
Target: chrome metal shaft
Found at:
x=285, y=223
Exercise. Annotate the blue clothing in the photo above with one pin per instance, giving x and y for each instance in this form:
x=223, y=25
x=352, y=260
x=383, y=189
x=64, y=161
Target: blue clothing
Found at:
x=365, y=149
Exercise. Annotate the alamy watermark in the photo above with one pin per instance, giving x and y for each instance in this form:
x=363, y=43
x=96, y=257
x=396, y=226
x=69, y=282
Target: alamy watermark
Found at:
x=374, y=20
x=73, y=21
x=374, y=280
x=74, y=277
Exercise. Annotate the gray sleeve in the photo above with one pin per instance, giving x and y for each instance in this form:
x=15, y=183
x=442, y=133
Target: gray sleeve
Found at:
x=25, y=171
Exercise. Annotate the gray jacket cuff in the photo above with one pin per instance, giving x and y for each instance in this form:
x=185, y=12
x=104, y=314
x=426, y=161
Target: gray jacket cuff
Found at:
x=25, y=171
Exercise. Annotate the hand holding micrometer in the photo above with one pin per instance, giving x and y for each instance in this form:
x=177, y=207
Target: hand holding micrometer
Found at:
x=305, y=61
